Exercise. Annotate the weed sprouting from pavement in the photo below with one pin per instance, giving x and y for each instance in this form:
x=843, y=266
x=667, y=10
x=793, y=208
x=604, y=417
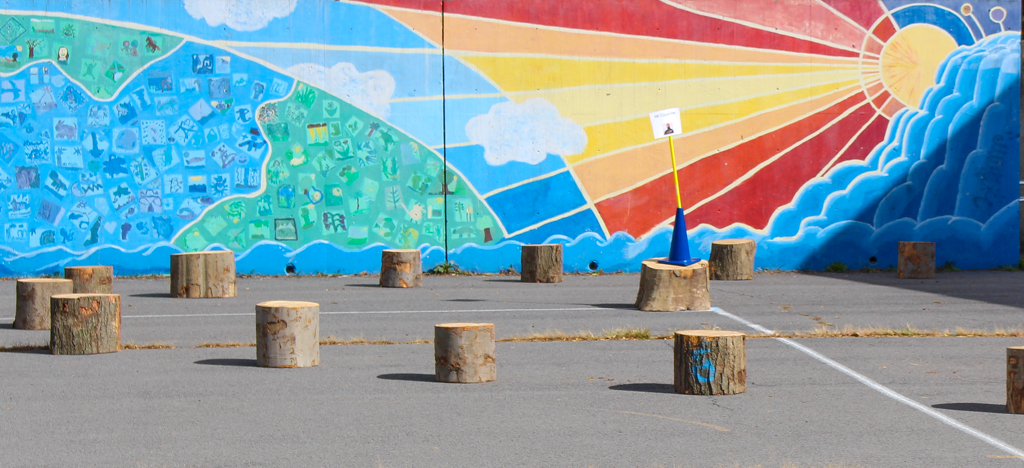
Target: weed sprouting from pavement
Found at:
x=836, y=267
x=154, y=345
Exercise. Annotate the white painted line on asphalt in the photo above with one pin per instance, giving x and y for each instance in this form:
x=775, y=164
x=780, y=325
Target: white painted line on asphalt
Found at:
x=368, y=312
x=881, y=388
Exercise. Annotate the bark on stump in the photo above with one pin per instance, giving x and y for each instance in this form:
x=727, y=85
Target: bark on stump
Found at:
x=464, y=352
x=916, y=260
x=666, y=287
x=541, y=263
x=85, y=323
x=732, y=259
x=287, y=334
x=203, y=274
x=401, y=268
x=1015, y=379
x=91, y=279
x=32, y=309
x=710, y=362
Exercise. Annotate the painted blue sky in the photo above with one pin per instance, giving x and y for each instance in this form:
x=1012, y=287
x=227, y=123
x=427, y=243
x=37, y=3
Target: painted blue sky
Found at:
x=334, y=23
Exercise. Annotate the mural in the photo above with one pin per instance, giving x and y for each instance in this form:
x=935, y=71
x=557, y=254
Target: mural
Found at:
x=308, y=136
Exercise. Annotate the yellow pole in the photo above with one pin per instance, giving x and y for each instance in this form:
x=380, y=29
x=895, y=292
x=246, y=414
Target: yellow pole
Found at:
x=675, y=173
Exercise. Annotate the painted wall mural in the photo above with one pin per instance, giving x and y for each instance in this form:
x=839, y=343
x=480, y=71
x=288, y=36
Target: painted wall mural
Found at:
x=308, y=136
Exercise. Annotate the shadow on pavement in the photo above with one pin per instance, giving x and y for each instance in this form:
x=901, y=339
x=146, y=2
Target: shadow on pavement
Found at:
x=29, y=349
x=612, y=306
x=991, y=286
x=7, y=325
x=409, y=377
x=975, y=407
x=503, y=280
x=165, y=294
x=645, y=387
x=362, y=285
x=228, y=362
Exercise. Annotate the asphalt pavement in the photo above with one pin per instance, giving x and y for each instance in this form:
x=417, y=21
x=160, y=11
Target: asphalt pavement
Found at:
x=811, y=402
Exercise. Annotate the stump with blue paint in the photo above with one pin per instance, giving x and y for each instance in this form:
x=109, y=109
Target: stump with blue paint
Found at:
x=710, y=362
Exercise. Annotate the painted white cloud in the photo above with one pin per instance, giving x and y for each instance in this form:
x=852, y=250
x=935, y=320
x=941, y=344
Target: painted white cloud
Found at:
x=240, y=15
x=370, y=91
x=525, y=132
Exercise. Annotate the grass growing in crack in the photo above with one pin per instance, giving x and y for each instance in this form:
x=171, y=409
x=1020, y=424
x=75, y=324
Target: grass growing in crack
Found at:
x=154, y=345
x=619, y=334
x=22, y=348
x=226, y=344
x=330, y=341
x=948, y=267
x=836, y=267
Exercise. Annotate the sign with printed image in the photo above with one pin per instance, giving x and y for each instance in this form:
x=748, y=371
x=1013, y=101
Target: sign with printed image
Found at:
x=666, y=123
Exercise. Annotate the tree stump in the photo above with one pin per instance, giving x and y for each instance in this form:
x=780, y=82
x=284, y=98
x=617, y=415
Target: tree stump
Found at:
x=732, y=259
x=1015, y=379
x=32, y=307
x=666, y=287
x=916, y=260
x=464, y=352
x=203, y=274
x=541, y=263
x=287, y=334
x=85, y=323
x=710, y=362
x=401, y=268
x=91, y=279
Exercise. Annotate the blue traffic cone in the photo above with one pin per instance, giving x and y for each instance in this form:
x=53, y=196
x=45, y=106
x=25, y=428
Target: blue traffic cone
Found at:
x=679, y=253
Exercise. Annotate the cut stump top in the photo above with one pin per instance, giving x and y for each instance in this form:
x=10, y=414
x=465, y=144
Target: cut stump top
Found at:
x=44, y=280
x=656, y=264
x=287, y=304
x=1015, y=347
x=83, y=295
x=709, y=333
x=732, y=241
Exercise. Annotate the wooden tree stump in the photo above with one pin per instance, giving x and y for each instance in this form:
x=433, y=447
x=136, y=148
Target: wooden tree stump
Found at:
x=666, y=287
x=732, y=259
x=91, y=279
x=85, y=323
x=1015, y=379
x=203, y=274
x=541, y=263
x=401, y=268
x=32, y=309
x=464, y=352
x=916, y=260
x=287, y=334
x=710, y=362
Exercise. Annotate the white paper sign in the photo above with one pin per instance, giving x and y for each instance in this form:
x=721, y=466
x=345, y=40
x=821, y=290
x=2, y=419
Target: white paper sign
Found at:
x=666, y=123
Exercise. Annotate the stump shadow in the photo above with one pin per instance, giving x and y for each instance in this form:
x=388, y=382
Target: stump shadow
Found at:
x=648, y=387
x=29, y=350
x=235, y=362
x=410, y=377
x=363, y=285
x=973, y=407
x=163, y=294
x=7, y=326
x=503, y=280
x=614, y=306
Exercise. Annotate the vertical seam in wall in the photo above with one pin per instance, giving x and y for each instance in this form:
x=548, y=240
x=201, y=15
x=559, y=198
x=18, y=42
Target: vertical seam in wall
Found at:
x=444, y=136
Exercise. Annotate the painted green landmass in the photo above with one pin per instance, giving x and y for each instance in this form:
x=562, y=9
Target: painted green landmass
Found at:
x=98, y=56
x=339, y=174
